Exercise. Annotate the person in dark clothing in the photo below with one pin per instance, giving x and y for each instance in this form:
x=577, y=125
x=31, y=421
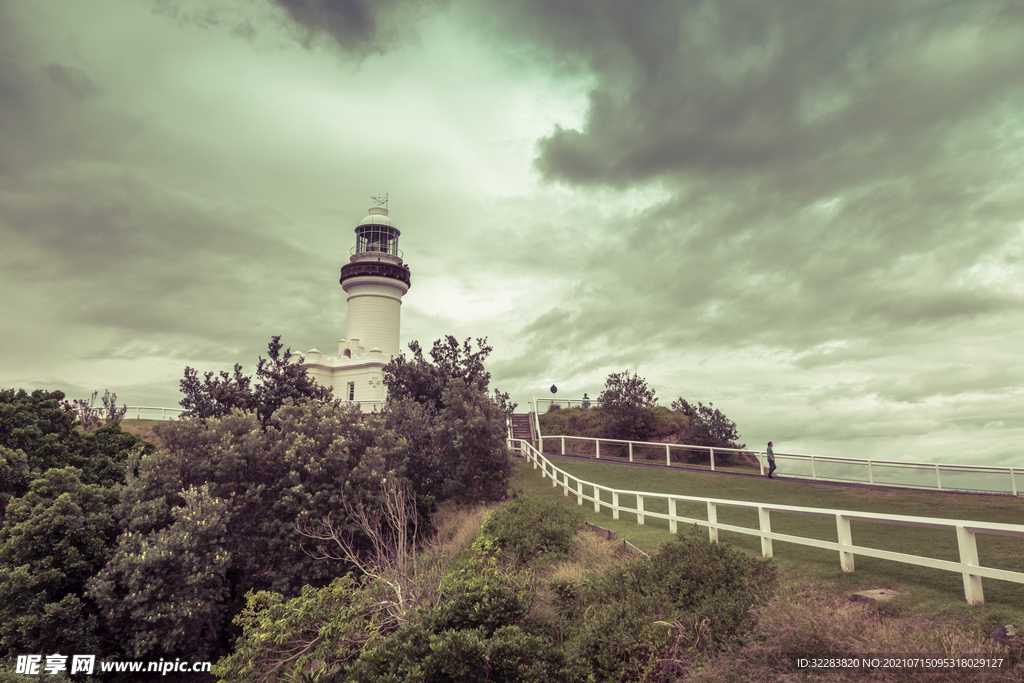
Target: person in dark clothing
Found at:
x=771, y=460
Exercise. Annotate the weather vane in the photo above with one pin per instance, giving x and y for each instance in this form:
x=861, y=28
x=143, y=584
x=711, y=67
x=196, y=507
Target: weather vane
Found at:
x=381, y=201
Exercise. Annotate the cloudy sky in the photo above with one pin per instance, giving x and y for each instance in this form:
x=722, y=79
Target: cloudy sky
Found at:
x=810, y=214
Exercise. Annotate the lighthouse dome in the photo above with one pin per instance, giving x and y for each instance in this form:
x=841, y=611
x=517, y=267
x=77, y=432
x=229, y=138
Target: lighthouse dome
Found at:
x=378, y=216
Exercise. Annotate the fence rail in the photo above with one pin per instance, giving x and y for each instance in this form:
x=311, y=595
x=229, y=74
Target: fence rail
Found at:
x=152, y=413
x=969, y=565
x=915, y=475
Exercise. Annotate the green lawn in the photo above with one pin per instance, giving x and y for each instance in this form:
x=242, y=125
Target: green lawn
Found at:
x=1001, y=552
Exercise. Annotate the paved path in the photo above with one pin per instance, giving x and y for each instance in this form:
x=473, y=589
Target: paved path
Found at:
x=815, y=483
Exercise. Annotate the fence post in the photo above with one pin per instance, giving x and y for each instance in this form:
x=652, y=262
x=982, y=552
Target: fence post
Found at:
x=871, y=474
x=1013, y=482
x=845, y=540
x=597, y=499
x=760, y=462
x=639, y=509
x=554, y=477
x=969, y=558
x=766, y=528
x=597, y=448
x=712, y=522
x=712, y=459
x=814, y=470
x=615, y=504
x=579, y=492
x=673, y=525
x=938, y=477
x=631, y=458
x=668, y=456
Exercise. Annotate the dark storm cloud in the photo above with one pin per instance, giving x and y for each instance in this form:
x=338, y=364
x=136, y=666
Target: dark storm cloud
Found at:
x=836, y=172
x=359, y=27
x=742, y=86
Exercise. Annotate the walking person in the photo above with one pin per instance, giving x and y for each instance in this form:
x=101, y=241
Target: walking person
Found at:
x=771, y=460
x=586, y=400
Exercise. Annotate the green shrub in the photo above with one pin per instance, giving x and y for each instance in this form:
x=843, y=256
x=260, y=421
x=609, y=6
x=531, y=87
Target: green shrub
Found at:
x=482, y=597
x=319, y=632
x=510, y=655
x=654, y=616
x=530, y=526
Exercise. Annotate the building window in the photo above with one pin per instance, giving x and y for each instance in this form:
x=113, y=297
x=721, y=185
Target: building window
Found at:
x=351, y=391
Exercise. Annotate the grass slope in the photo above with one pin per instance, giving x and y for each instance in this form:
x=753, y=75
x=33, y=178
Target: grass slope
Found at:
x=924, y=589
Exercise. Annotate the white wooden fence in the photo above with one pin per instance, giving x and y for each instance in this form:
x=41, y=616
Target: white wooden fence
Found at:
x=152, y=413
x=966, y=531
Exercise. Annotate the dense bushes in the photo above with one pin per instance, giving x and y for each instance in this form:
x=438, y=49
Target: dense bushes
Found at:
x=58, y=491
x=455, y=431
x=530, y=526
x=214, y=516
x=656, y=615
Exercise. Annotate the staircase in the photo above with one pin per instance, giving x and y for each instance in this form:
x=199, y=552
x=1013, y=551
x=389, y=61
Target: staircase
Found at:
x=521, y=427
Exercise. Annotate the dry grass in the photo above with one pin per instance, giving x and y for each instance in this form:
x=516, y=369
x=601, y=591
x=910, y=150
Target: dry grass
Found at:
x=455, y=529
x=804, y=620
x=591, y=555
x=143, y=429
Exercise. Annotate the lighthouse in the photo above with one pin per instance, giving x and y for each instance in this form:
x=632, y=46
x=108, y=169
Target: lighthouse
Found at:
x=375, y=279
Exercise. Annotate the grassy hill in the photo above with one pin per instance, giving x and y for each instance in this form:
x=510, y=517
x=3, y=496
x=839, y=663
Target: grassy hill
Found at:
x=923, y=590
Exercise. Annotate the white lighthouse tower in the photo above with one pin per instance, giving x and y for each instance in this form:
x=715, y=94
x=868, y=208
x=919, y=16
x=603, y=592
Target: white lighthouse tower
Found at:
x=375, y=280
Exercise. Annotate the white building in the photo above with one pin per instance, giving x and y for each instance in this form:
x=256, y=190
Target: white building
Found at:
x=375, y=279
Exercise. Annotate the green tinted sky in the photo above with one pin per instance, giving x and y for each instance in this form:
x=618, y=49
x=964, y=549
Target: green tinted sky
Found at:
x=811, y=214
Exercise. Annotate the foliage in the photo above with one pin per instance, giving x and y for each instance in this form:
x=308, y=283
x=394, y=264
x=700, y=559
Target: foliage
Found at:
x=390, y=560
x=318, y=632
x=41, y=425
x=509, y=655
x=53, y=539
x=468, y=446
x=477, y=634
x=456, y=433
x=629, y=402
x=13, y=476
x=530, y=526
x=310, y=460
x=708, y=425
x=419, y=380
x=91, y=417
x=165, y=590
x=481, y=596
x=658, y=614
x=278, y=380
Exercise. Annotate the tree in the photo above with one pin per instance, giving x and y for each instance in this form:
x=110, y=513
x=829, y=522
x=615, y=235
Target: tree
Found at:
x=455, y=431
x=278, y=380
x=165, y=591
x=419, y=380
x=708, y=425
x=41, y=425
x=250, y=483
x=53, y=539
x=629, y=402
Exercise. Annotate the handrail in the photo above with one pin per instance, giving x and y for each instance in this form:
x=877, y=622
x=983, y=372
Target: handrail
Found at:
x=969, y=566
x=164, y=412
x=813, y=461
x=173, y=413
x=590, y=402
